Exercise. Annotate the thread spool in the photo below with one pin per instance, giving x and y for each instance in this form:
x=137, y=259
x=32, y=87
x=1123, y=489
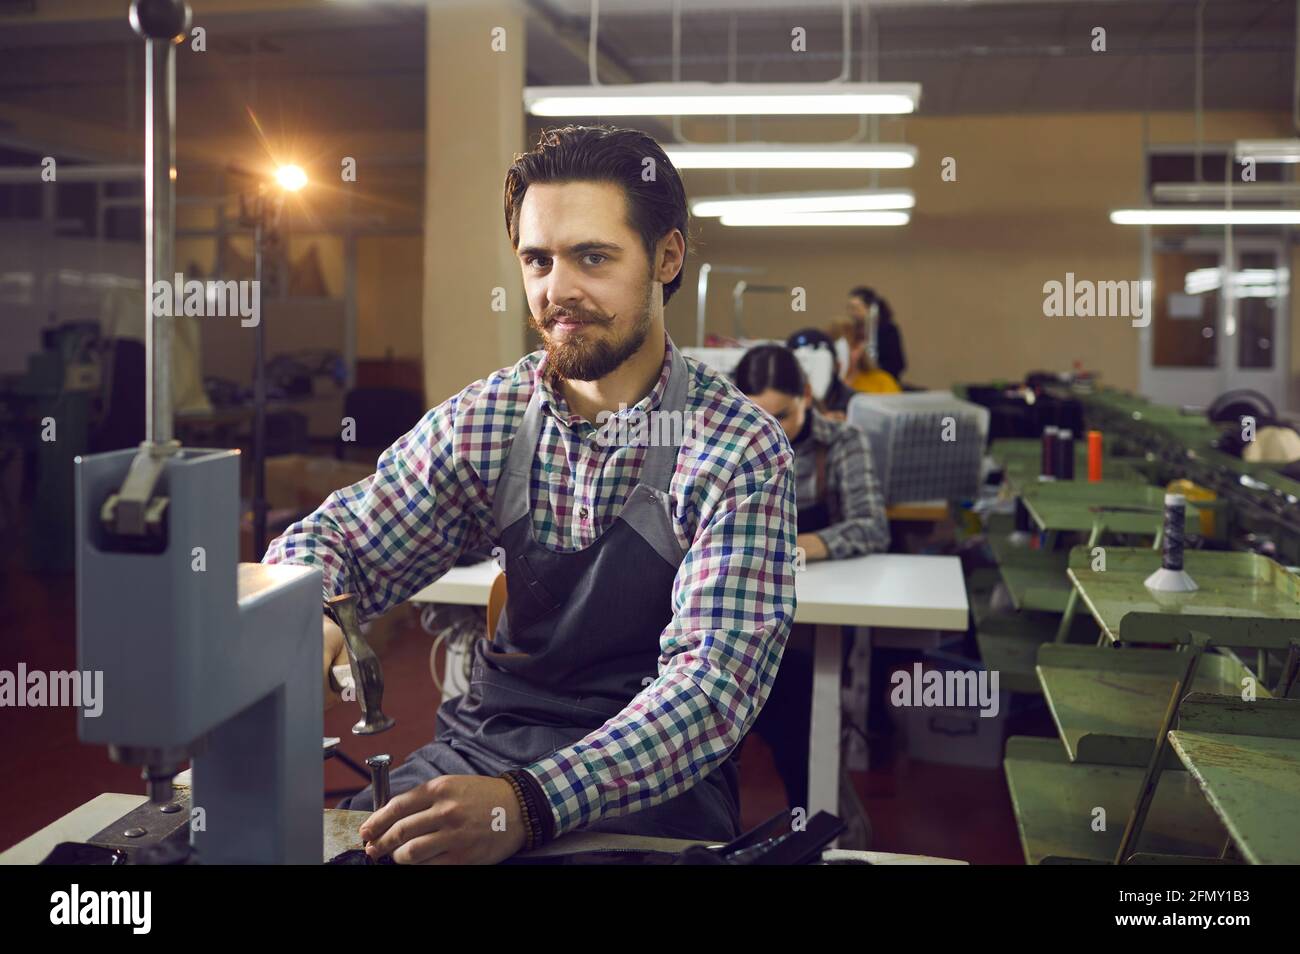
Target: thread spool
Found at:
x=1064, y=469
x=1175, y=531
x=1094, y=456
x=1047, y=467
x=1171, y=577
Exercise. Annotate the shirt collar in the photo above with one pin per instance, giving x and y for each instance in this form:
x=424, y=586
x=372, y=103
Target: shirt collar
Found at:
x=551, y=395
x=822, y=432
x=806, y=431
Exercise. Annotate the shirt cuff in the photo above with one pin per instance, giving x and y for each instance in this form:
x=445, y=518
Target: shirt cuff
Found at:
x=837, y=548
x=569, y=788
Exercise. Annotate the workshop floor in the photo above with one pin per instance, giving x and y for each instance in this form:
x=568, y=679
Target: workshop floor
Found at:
x=45, y=772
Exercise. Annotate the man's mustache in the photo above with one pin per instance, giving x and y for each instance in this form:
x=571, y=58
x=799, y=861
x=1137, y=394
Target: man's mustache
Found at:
x=552, y=318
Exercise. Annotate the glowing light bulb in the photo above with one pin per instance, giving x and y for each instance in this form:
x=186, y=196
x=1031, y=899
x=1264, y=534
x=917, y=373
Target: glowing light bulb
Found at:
x=290, y=178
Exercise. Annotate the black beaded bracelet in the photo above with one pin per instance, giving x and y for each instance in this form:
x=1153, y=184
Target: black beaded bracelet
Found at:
x=542, y=815
x=532, y=828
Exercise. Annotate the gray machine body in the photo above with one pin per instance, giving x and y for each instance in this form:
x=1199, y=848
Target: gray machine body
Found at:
x=203, y=653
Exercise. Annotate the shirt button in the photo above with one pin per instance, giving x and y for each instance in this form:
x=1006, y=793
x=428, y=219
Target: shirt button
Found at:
x=582, y=512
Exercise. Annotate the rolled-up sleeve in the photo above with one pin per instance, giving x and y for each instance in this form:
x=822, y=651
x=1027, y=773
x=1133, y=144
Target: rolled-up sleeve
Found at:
x=859, y=523
x=733, y=603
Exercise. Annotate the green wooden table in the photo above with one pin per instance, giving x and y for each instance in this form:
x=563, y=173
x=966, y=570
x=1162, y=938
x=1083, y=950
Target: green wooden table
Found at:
x=1056, y=804
x=1104, y=507
x=1035, y=578
x=1108, y=703
x=1008, y=643
x=1246, y=759
x=1245, y=600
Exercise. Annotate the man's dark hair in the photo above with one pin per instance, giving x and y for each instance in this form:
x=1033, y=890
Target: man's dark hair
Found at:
x=607, y=154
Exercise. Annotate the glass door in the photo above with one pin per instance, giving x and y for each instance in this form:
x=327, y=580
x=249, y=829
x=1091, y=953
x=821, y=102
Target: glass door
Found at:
x=1205, y=339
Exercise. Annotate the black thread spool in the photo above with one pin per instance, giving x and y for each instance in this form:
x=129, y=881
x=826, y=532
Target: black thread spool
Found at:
x=1048, y=466
x=1175, y=531
x=1064, y=469
x=1171, y=579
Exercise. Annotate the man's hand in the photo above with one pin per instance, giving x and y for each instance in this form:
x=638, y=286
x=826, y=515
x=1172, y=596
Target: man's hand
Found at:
x=449, y=820
x=335, y=654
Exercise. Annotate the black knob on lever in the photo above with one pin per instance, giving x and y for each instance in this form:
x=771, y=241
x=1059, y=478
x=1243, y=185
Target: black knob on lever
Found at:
x=367, y=674
x=160, y=19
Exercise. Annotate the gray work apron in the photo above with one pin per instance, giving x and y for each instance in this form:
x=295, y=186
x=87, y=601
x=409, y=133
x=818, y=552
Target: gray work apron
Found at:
x=579, y=638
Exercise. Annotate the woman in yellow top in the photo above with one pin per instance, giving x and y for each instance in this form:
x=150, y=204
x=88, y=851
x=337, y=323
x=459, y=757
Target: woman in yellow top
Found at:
x=871, y=314
x=863, y=376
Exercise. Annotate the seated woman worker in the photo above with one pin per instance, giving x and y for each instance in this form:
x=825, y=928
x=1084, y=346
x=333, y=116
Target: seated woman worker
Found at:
x=840, y=514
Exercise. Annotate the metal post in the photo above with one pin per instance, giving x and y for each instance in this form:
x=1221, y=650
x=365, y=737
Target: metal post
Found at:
x=701, y=301
x=135, y=510
x=159, y=226
x=259, y=397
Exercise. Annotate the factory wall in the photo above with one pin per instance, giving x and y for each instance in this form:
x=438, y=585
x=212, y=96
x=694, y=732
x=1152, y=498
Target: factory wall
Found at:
x=966, y=276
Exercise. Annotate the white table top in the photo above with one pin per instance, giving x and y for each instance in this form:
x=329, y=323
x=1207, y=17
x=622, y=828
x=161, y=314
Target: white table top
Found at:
x=883, y=589
x=465, y=585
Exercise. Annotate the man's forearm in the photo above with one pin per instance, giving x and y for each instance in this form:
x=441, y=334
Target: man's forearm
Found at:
x=668, y=738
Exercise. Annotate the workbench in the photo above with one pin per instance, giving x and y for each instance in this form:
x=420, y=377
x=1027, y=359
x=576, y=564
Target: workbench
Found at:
x=1103, y=507
x=340, y=829
x=1035, y=576
x=1021, y=463
x=1127, y=716
x=1252, y=781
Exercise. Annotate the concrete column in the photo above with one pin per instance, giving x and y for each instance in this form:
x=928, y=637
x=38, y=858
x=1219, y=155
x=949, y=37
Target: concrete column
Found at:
x=474, y=126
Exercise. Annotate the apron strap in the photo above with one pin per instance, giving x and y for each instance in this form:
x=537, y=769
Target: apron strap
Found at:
x=661, y=460
x=511, y=498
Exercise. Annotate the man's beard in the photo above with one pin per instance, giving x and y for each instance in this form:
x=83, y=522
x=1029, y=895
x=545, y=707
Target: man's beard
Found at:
x=588, y=356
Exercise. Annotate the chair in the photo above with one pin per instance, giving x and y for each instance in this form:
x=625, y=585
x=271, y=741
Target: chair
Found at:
x=382, y=415
x=496, y=603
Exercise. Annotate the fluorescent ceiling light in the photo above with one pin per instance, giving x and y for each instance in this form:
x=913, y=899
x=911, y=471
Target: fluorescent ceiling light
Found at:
x=723, y=99
x=1206, y=217
x=853, y=200
x=1246, y=283
x=792, y=156
x=1269, y=150
x=781, y=219
x=1220, y=192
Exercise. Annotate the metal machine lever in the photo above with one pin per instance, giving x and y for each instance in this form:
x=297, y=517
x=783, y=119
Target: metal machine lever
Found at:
x=367, y=674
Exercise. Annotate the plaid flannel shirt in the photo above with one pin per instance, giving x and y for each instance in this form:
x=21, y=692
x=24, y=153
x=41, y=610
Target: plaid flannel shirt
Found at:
x=430, y=499
x=856, y=508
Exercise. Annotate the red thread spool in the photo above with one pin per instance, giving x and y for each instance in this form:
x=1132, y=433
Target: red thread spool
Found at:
x=1094, y=456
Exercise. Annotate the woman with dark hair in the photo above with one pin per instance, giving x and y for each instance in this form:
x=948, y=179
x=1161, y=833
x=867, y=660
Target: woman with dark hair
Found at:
x=867, y=307
x=840, y=514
